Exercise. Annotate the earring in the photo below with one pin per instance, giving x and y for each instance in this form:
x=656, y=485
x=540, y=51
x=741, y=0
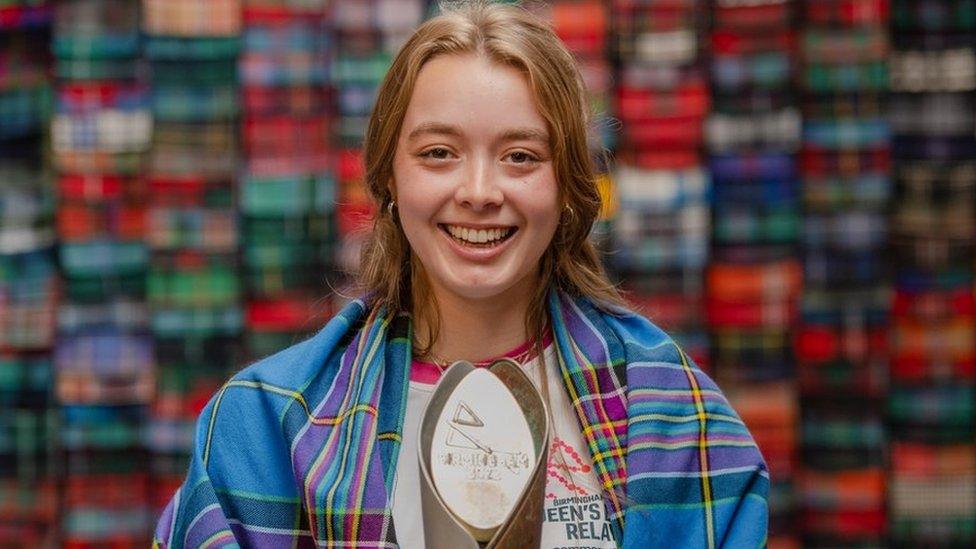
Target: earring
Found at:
x=569, y=210
x=389, y=207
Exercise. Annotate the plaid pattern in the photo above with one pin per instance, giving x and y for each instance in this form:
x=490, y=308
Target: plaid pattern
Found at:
x=26, y=15
x=867, y=191
x=292, y=100
x=848, y=12
x=942, y=16
x=932, y=114
x=28, y=300
x=845, y=45
x=192, y=18
x=194, y=104
x=824, y=77
x=23, y=110
x=211, y=51
x=96, y=29
x=104, y=367
x=676, y=463
x=933, y=494
x=775, y=130
x=951, y=70
x=201, y=229
x=27, y=511
x=753, y=15
x=193, y=282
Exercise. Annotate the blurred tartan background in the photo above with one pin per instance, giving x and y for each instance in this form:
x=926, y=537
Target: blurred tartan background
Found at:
x=791, y=195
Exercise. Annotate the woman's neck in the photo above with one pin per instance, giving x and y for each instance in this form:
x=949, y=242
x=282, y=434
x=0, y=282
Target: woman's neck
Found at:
x=475, y=330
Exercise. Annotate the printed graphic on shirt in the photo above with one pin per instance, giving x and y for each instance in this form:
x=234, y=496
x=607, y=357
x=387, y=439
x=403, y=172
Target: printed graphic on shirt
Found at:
x=574, y=514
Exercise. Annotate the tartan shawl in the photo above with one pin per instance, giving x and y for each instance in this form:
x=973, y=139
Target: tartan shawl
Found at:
x=300, y=449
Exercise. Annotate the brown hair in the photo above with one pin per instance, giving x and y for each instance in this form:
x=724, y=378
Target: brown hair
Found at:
x=512, y=36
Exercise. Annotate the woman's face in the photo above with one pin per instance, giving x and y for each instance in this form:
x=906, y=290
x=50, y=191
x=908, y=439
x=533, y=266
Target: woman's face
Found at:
x=473, y=179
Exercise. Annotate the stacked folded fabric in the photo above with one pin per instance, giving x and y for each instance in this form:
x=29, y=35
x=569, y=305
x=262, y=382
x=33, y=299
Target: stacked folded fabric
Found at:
x=100, y=133
x=660, y=223
x=28, y=282
x=932, y=495
x=584, y=26
x=840, y=346
x=754, y=279
x=287, y=191
x=367, y=35
x=193, y=285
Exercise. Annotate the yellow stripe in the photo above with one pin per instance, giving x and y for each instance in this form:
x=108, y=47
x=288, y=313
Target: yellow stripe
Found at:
x=678, y=445
x=333, y=433
x=672, y=392
x=363, y=370
x=702, y=449
x=210, y=425
x=207, y=542
x=326, y=420
x=685, y=419
x=591, y=428
x=608, y=480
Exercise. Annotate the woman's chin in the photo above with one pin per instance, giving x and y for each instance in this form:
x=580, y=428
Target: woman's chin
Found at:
x=481, y=289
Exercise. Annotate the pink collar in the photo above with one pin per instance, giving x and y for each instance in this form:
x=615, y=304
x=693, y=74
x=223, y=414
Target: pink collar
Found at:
x=428, y=373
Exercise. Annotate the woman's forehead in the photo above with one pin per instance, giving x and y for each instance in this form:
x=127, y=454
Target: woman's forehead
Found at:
x=464, y=94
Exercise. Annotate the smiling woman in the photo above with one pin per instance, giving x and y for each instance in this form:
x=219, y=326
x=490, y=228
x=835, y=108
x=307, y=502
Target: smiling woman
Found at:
x=477, y=159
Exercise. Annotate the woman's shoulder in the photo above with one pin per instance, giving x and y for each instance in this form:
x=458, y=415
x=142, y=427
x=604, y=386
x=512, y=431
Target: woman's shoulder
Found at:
x=293, y=367
x=654, y=359
x=642, y=339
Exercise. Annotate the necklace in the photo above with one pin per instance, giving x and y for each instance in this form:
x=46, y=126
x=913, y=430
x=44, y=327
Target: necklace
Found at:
x=526, y=352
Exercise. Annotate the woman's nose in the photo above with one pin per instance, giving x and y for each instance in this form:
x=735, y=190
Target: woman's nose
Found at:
x=479, y=188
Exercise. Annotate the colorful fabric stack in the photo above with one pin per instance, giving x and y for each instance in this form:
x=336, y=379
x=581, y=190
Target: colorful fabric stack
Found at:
x=287, y=191
x=661, y=223
x=584, y=26
x=367, y=35
x=841, y=343
x=932, y=482
x=194, y=283
x=99, y=135
x=28, y=281
x=754, y=279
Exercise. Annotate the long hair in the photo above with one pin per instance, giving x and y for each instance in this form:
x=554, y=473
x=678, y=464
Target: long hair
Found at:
x=512, y=36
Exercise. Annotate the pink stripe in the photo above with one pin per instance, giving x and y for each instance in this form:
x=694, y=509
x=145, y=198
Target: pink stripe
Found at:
x=428, y=373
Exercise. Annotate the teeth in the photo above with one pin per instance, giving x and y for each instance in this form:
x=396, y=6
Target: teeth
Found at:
x=477, y=236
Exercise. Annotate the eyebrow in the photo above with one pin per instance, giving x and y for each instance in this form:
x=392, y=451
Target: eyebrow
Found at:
x=434, y=128
x=514, y=134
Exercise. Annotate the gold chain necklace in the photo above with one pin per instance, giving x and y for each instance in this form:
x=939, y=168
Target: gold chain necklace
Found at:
x=442, y=365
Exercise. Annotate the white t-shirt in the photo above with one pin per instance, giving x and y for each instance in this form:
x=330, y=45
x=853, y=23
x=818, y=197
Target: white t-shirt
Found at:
x=574, y=514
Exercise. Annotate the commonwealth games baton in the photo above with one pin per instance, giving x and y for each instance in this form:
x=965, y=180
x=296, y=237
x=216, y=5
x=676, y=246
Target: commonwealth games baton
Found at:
x=484, y=440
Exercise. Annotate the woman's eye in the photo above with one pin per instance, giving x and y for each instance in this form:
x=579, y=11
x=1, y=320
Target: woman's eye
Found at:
x=521, y=157
x=437, y=153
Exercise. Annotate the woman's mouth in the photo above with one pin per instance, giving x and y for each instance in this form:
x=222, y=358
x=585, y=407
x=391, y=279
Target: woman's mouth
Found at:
x=478, y=238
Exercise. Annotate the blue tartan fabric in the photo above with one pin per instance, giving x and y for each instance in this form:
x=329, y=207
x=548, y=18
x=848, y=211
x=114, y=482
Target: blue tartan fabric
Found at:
x=300, y=448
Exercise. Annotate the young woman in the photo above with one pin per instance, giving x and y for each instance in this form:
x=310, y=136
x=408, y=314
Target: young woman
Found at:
x=476, y=156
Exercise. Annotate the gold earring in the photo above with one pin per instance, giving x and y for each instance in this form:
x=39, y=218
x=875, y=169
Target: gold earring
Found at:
x=569, y=209
x=389, y=207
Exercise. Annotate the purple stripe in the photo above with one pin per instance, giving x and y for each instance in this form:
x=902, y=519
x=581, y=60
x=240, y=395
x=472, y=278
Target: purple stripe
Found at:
x=661, y=378
x=686, y=437
x=331, y=461
x=209, y=523
x=254, y=538
x=367, y=466
x=163, y=527
x=589, y=342
x=686, y=459
x=663, y=397
x=312, y=443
